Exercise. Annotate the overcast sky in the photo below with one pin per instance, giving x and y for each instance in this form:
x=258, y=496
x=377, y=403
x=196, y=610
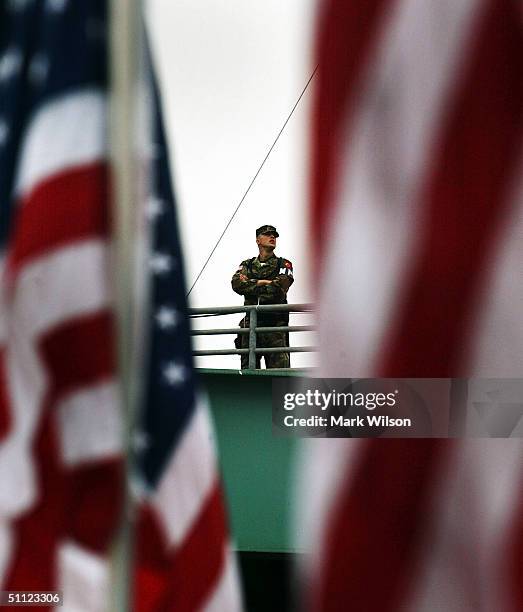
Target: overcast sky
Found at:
x=230, y=72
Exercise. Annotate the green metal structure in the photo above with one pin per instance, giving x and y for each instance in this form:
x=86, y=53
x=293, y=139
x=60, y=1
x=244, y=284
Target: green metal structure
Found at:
x=257, y=468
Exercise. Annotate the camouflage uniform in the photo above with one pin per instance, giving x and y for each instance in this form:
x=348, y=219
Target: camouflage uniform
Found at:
x=279, y=270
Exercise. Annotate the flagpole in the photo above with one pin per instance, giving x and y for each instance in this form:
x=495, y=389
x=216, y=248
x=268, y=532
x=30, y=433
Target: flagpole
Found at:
x=124, y=65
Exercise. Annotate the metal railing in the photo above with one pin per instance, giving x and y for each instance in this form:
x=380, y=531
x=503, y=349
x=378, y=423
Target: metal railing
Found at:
x=252, y=330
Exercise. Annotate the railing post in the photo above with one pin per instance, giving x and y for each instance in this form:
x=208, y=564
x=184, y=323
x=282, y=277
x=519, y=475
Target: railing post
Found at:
x=253, y=322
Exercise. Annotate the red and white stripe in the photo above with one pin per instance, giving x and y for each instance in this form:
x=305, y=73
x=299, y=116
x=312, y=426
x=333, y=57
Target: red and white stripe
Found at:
x=60, y=455
x=417, y=188
x=61, y=445
x=184, y=560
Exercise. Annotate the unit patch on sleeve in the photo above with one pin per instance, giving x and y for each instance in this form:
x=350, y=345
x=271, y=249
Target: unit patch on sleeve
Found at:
x=286, y=268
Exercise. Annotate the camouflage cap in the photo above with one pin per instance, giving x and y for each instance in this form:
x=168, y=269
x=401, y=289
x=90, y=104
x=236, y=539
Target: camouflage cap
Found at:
x=266, y=229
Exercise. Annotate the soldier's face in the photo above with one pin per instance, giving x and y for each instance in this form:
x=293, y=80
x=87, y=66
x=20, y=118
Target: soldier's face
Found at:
x=266, y=240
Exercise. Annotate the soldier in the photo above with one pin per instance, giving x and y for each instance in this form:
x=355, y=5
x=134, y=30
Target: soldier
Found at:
x=265, y=280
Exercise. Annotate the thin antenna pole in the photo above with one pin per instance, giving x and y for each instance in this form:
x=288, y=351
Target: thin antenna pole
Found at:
x=124, y=52
x=253, y=179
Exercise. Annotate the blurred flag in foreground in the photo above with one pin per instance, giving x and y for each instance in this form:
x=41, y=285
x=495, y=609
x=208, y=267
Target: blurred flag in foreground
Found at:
x=61, y=443
x=417, y=186
x=61, y=477
x=183, y=558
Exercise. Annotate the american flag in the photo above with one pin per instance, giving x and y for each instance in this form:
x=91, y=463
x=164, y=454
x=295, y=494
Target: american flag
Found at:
x=60, y=453
x=61, y=479
x=184, y=561
x=417, y=192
